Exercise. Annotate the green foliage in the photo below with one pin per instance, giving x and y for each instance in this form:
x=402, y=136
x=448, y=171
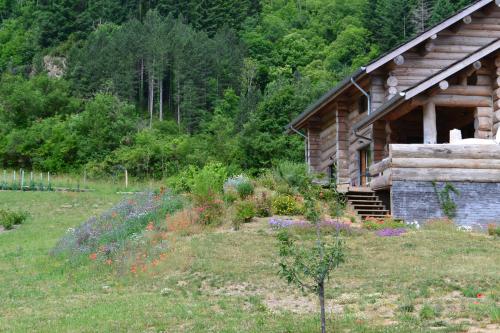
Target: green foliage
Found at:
x=428, y=312
x=245, y=212
x=471, y=291
x=446, y=200
x=263, y=205
x=494, y=230
x=245, y=189
x=208, y=182
x=9, y=219
x=286, y=205
x=379, y=224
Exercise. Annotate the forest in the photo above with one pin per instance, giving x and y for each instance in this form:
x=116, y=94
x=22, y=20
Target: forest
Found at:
x=162, y=86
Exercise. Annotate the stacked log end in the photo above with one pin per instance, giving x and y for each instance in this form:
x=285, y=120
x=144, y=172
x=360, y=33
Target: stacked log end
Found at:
x=496, y=98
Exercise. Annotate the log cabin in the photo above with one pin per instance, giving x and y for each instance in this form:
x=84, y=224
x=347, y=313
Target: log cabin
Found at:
x=383, y=134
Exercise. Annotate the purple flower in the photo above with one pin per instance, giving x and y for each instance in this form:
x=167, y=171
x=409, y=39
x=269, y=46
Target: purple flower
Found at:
x=328, y=224
x=391, y=232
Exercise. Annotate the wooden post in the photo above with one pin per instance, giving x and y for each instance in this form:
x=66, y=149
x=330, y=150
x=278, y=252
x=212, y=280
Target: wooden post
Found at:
x=22, y=179
x=430, y=130
x=126, y=178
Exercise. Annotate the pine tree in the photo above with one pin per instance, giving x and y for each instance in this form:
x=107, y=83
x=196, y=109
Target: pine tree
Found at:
x=420, y=15
x=442, y=9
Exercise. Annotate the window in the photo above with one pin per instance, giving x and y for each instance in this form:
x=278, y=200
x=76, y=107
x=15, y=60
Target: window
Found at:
x=362, y=104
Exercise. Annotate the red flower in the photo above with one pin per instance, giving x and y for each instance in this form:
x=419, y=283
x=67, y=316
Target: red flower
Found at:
x=93, y=256
x=133, y=269
x=150, y=226
x=480, y=295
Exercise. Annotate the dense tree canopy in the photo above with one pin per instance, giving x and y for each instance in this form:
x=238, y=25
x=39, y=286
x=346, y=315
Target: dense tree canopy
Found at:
x=159, y=85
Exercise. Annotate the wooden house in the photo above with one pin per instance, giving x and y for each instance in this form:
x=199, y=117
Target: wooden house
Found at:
x=383, y=133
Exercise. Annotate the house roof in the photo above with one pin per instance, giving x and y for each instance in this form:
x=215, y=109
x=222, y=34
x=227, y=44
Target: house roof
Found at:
x=385, y=58
x=420, y=87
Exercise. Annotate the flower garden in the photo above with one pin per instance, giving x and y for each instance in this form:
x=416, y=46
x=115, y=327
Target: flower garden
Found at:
x=200, y=255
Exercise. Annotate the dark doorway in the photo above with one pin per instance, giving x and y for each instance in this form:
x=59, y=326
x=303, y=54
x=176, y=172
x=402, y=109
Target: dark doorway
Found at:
x=448, y=119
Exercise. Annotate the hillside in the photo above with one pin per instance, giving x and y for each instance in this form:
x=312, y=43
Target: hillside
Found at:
x=159, y=86
x=220, y=280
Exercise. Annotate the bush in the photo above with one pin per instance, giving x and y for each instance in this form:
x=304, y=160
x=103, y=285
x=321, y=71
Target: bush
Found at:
x=428, y=312
x=494, y=230
x=8, y=219
x=208, y=182
x=291, y=173
x=263, y=205
x=210, y=212
x=230, y=197
x=245, y=212
x=286, y=205
x=245, y=190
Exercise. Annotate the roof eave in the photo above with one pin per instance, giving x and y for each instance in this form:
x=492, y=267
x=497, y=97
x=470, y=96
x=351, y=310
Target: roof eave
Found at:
x=325, y=99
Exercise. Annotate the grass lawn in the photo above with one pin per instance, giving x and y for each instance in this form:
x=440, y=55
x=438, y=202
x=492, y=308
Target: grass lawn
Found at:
x=225, y=281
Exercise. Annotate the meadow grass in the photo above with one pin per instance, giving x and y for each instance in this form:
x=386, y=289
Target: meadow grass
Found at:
x=225, y=281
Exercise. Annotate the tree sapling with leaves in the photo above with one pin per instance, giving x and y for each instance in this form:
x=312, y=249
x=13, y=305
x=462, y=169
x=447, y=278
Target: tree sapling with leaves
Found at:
x=309, y=265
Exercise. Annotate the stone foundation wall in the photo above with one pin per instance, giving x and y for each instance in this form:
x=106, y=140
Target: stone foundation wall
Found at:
x=477, y=205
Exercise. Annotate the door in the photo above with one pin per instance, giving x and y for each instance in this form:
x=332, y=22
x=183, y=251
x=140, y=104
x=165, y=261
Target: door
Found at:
x=365, y=160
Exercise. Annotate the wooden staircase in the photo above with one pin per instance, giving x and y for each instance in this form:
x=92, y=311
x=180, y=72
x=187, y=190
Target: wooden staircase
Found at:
x=366, y=204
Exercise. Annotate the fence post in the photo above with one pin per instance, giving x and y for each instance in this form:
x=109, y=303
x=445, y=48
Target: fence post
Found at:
x=22, y=179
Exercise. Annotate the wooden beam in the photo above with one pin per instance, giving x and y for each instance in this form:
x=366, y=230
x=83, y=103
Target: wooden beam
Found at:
x=447, y=175
x=430, y=128
x=445, y=163
x=461, y=101
x=445, y=151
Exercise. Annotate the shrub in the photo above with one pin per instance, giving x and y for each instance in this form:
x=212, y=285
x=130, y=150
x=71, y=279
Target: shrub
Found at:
x=210, y=212
x=471, y=291
x=208, y=182
x=428, y=312
x=263, y=205
x=245, y=190
x=286, y=205
x=494, y=230
x=182, y=182
x=245, y=212
x=230, y=197
x=291, y=173
x=8, y=219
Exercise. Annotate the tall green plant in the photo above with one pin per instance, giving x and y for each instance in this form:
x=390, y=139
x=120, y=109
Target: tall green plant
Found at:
x=446, y=200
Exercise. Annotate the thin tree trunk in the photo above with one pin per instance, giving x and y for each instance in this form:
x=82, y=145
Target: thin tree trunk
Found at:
x=141, y=84
x=178, y=104
x=321, y=294
x=160, y=93
x=150, y=99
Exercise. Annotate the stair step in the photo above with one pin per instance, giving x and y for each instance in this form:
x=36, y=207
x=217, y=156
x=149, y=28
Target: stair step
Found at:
x=366, y=207
x=364, y=202
x=361, y=195
x=368, y=211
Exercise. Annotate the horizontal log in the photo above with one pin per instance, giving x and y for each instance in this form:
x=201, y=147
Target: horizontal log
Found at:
x=447, y=175
x=483, y=123
x=483, y=112
x=445, y=151
x=461, y=101
x=379, y=167
x=445, y=163
x=381, y=182
x=484, y=91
